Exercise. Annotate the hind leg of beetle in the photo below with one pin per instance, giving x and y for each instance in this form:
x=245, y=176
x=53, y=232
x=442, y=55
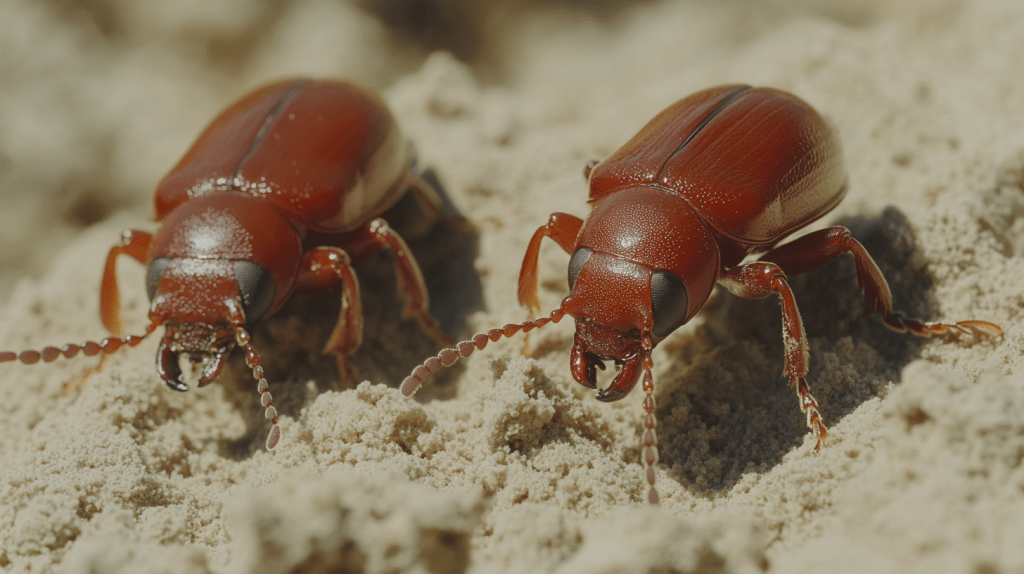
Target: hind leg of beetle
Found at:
x=321, y=268
x=561, y=227
x=816, y=249
x=760, y=279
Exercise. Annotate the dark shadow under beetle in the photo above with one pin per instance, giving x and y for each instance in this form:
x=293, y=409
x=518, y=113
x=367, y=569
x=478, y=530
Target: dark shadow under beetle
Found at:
x=719, y=410
x=291, y=341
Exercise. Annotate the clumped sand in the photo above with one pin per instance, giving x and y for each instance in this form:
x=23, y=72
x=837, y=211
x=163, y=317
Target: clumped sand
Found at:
x=505, y=464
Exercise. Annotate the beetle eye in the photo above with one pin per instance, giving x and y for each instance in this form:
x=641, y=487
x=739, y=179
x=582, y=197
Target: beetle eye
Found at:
x=156, y=270
x=256, y=287
x=576, y=263
x=669, y=302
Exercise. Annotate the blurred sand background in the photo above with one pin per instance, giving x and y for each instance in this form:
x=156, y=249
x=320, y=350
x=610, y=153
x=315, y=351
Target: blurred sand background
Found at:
x=506, y=465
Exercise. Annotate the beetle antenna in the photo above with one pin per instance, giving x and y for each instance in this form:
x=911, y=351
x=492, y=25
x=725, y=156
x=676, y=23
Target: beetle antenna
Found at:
x=448, y=357
x=89, y=348
x=649, y=457
x=252, y=359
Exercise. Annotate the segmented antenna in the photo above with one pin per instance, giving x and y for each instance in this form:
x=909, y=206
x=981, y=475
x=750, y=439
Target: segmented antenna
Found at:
x=252, y=359
x=448, y=357
x=89, y=348
x=649, y=449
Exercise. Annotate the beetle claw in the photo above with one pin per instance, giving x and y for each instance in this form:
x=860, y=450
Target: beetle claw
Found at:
x=583, y=366
x=606, y=396
x=623, y=383
x=167, y=366
x=176, y=385
x=212, y=365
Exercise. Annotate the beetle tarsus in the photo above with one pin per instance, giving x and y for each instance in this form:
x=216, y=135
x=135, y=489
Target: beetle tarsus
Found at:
x=901, y=324
x=810, y=407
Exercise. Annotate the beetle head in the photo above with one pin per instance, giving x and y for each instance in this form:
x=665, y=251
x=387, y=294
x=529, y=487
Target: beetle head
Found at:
x=613, y=319
x=645, y=264
x=219, y=261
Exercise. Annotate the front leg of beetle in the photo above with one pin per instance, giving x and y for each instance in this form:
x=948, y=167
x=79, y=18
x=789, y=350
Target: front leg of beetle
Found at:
x=816, y=249
x=758, y=280
x=377, y=235
x=561, y=227
x=321, y=268
x=135, y=244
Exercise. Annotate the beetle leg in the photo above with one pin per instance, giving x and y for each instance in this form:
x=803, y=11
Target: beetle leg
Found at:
x=561, y=227
x=816, y=249
x=410, y=280
x=760, y=279
x=134, y=243
x=321, y=268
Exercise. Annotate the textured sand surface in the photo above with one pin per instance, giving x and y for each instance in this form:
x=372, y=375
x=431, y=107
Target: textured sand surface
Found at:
x=505, y=464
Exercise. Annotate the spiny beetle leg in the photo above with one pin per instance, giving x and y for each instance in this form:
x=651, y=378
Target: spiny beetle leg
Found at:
x=820, y=247
x=760, y=279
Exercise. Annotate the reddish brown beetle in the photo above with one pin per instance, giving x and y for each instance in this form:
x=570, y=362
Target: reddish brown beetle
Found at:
x=281, y=192
x=720, y=175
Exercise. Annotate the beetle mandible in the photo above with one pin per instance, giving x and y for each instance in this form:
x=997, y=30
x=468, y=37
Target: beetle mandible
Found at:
x=281, y=192
x=722, y=174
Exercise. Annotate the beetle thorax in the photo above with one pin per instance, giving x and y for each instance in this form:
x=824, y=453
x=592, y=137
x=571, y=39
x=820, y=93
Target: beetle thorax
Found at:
x=659, y=232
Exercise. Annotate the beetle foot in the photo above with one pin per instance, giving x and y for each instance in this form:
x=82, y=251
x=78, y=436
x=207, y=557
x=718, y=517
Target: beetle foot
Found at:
x=897, y=322
x=810, y=407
